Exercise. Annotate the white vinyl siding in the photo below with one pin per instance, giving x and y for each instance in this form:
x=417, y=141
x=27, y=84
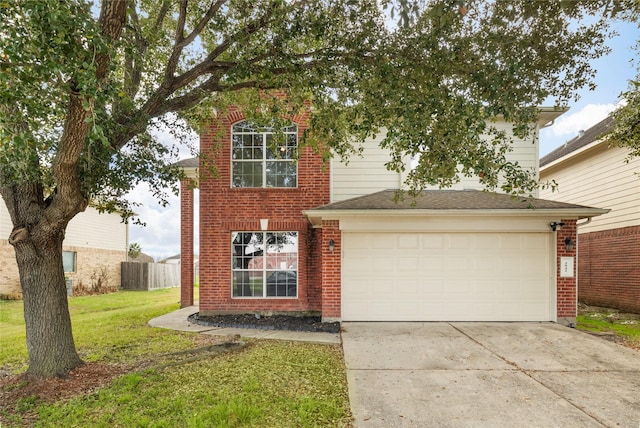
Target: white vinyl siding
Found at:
x=5, y=221
x=447, y=277
x=525, y=152
x=598, y=177
x=91, y=229
x=364, y=174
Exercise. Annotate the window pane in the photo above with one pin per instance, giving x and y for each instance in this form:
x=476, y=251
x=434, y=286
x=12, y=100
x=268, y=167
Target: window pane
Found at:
x=246, y=146
x=282, y=284
x=247, y=174
x=281, y=174
x=282, y=265
x=283, y=149
x=247, y=285
x=69, y=261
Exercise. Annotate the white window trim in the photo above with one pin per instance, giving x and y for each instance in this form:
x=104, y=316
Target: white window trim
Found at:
x=264, y=269
x=264, y=160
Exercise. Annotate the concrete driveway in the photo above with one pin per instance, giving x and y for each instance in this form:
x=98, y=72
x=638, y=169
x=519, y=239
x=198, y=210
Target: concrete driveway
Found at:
x=488, y=375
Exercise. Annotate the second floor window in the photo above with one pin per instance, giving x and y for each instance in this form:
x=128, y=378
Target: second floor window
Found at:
x=262, y=157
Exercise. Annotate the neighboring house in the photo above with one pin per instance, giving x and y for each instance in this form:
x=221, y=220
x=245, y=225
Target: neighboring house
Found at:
x=590, y=170
x=177, y=260
x=448, y=255
x=94, y=246
x=171, y=260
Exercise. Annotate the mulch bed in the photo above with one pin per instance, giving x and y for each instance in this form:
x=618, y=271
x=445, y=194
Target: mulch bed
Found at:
x=271, y=322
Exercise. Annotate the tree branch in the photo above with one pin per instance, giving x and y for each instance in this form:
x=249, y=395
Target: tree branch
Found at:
x=161, y=15
x=213, y=9
x=69, y=200
x=209, y=64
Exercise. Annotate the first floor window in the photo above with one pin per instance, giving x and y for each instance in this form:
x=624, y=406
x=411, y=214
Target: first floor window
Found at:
x=265, y=264
x=69, y=261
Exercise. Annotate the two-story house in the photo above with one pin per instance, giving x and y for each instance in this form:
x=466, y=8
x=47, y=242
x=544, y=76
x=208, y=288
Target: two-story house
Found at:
x=280, y=235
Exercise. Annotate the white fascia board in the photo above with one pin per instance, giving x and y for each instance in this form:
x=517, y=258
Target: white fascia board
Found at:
x=570, y=155
x=316, y=216
x=547, y=115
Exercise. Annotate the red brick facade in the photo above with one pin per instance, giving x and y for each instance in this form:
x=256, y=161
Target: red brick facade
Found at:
x=331, y=270
x=609, y=268
x=567, y=304
x=224, y=210
x=186, y=243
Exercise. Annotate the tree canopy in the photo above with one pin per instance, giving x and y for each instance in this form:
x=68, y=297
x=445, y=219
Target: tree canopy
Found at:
x=627, y=117
x=83, y=85
x=433, y=82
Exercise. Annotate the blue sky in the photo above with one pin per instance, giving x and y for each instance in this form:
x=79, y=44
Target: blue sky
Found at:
x=614, y=72
x=161, y=237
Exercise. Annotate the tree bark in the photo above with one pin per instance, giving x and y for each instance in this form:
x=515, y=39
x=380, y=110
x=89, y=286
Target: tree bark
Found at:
x=50, y=344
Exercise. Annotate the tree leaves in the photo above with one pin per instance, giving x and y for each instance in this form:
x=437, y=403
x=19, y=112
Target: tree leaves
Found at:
x=434, y=83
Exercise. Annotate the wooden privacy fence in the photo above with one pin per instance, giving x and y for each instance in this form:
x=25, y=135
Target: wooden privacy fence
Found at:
x=149, y=276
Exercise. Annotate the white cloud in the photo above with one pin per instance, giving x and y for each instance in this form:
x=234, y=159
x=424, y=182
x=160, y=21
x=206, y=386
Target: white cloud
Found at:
x=160, y=238
x=570, y=124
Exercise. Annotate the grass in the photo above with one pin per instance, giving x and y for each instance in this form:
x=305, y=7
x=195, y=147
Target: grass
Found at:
x=265, y=384
x=602, y=320
x=269, y=384
x=110, y=327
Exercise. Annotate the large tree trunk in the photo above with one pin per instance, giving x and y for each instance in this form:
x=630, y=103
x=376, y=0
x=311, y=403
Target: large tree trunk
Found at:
x=50, y=343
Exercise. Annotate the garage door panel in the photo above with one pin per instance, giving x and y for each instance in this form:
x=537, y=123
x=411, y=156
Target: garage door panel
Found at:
x=411, y=242
x=446, y=277
x=534, y=241
x=408, y=265
x=488, y=241
x=383, y=241
x=382, y=263
x=459, y=241
x=431, y=241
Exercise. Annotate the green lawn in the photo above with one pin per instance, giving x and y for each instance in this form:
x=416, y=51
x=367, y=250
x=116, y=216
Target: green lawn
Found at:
x=266, y=383
x=610, y=321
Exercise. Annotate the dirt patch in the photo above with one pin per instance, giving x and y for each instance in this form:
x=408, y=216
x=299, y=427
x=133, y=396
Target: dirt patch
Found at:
x=19, y=394
x=272, y=322
x=609, y=314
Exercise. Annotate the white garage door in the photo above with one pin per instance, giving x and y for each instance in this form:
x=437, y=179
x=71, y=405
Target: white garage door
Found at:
x=446, y=277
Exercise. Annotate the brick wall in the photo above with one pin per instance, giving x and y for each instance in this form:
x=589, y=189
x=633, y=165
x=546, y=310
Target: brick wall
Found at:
x=567, y=304
x=93, y=266
x=186, y=243
x=224, y=210
x=331, y=271
x=609, y=268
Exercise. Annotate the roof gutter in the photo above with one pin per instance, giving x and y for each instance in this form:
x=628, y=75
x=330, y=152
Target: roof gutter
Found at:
x=585, y=223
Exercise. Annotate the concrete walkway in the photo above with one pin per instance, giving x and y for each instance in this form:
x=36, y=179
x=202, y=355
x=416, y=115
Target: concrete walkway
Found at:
x=177, y=320
x=488, y=375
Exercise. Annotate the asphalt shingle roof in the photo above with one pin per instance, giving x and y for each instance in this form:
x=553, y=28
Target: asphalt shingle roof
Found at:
x=445, y=200
x=589, y=136
x=188, y=163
